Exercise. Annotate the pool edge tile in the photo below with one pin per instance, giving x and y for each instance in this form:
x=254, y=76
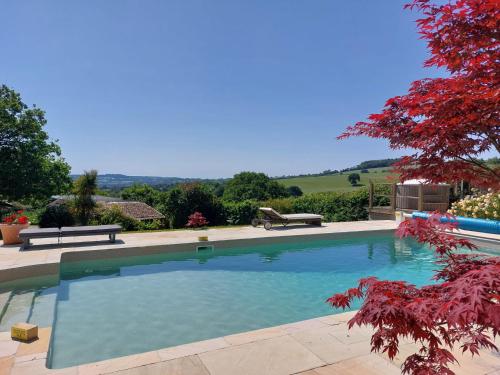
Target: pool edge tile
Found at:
x=120, y=363
x=193, y=348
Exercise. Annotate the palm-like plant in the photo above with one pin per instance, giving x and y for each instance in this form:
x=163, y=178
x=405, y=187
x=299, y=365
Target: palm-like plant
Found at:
x=84, y=188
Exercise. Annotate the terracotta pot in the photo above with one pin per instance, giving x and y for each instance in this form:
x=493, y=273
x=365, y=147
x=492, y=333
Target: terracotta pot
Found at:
x=10, y=233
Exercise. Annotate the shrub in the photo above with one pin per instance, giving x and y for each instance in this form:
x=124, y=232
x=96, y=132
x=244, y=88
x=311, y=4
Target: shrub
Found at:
x=34, y=215
x=196, y=220
x=56, y=216
x=485, y=206
x=334, y=206
x=240, y=212
x=282, y=205
x=180, y=202
x=151, y=225
x=294, y=191
x=113, y=215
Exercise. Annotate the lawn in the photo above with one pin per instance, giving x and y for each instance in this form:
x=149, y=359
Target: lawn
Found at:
x=337, y=182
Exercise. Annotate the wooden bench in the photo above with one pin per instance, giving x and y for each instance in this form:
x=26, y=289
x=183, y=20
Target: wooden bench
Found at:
x=90, y=230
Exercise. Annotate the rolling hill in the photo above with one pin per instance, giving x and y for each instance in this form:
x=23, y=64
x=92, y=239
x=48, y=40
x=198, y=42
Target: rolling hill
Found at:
x=338, y=181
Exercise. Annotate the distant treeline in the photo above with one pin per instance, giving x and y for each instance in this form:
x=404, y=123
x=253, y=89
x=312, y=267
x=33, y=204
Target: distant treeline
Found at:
x=117, y=182
x=379, y=163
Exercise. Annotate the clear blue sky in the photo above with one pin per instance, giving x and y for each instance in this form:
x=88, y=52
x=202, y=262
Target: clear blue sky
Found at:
x=197, y=88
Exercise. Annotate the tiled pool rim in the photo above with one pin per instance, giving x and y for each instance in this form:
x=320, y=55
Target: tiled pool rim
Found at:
x=35, y=362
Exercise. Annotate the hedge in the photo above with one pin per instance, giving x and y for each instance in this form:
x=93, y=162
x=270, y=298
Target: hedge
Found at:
x=334, y=206
x=239, y=213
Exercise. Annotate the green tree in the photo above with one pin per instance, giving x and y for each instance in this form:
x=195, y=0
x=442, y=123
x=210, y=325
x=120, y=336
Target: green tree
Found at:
x=31, y=166
x=186, y=199
x=354, y=178
x=141, y=193
x=294, y=191
x=253, y=185
x=84, y=188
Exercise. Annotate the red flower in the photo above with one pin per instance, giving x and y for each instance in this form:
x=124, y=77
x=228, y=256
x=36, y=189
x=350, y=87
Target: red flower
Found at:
x=8, y=220
x=22, y=220
x=16, y=218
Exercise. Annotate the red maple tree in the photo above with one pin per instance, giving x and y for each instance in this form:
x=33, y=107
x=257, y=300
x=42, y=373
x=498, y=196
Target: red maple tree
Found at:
x=449, y=122
x=196, y=220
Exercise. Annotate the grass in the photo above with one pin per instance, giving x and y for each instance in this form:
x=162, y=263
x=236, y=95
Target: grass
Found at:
x=337, y=182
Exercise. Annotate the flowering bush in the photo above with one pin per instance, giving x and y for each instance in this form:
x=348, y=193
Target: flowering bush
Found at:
x=196, y=220
x=16, y=218
x=485, y=206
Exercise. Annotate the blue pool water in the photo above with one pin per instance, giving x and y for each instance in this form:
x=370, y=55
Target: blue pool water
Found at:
x=111, y=308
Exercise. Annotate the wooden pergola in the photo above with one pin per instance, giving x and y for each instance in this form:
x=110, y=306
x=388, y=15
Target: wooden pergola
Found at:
x=407, y=198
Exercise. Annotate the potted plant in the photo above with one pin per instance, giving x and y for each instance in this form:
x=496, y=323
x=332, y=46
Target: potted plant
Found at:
x=11, y=226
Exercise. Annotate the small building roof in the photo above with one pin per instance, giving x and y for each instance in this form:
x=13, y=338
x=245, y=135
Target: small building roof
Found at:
x=61, y=199
x=137, y=210
x=419, y=181
x=96, y=198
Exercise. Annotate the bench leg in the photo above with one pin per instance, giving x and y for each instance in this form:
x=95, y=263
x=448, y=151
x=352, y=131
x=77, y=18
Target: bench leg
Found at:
x=26, y=243
x=314, y=222
x=112, y=237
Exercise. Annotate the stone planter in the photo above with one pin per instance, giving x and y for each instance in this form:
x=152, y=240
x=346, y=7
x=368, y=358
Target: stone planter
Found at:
x=10, y=233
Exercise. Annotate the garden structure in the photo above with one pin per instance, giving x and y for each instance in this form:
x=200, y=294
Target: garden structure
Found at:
x=408, y=197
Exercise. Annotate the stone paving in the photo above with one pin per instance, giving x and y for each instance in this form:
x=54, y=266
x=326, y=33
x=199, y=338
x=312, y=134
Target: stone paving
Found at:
x=321, y=346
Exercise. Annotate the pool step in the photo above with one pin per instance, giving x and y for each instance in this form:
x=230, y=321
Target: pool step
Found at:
x=4, y=301
x=43, y=308
x=17, y=310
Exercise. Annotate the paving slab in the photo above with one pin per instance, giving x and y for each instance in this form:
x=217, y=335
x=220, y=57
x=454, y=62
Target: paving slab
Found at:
x=118, y=364
x=193, y=348
x=41, y=345
x=276, y=356
x=6, y=364
x=328, y=348
x=190, y=365
x=370, y=364
x=259, y=334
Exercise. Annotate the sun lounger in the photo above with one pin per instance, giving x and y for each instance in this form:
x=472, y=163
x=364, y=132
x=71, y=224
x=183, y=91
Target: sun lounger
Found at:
x=273, y=217
x=91, y=230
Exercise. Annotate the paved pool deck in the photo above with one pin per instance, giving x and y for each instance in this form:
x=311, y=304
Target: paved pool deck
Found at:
x=321, y=346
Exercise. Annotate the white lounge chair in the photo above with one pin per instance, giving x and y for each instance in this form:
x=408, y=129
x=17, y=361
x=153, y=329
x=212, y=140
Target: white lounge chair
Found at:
x=272, y=217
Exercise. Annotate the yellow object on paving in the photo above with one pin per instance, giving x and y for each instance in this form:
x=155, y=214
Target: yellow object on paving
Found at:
x=24, y=331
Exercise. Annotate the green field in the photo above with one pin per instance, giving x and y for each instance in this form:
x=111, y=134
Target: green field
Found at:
x=337, y=182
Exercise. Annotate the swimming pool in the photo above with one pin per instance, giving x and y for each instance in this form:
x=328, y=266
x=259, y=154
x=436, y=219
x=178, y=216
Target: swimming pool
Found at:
x=109, y=308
